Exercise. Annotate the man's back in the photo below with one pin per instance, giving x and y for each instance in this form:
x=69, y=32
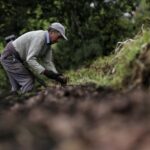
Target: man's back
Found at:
x=30, y=41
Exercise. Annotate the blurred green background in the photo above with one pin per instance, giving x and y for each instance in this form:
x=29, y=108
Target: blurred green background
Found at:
x=93, y=27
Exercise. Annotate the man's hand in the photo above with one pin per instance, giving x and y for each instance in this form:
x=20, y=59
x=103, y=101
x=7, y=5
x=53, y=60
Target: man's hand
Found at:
x=50, y=74
x=56, y=76
x=62, y=80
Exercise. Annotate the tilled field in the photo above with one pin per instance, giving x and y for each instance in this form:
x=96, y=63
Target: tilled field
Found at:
x=76, y=118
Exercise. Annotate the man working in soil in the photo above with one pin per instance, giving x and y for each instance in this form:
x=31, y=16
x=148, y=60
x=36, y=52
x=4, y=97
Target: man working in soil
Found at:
x=30, y=48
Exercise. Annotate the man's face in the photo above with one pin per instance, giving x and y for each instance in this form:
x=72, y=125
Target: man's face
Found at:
x=55, y=37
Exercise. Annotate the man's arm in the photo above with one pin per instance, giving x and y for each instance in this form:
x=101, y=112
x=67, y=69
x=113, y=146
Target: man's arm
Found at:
x=51, y=71
x=48, y=61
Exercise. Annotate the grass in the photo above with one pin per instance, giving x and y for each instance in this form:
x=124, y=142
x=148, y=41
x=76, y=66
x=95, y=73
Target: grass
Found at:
x=111, y=70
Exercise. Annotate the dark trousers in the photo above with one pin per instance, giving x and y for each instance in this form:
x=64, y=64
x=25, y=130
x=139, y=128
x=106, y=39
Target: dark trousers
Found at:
x=19, y=77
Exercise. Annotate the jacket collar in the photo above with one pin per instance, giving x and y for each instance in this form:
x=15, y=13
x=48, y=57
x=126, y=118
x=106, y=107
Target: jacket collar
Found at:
x=48, y=41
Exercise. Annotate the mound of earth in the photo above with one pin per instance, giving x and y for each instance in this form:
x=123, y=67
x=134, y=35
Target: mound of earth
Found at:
x=82, y=117
x=140, y=76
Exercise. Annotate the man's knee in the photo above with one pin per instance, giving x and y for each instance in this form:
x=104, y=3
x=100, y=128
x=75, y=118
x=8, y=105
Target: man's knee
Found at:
x=28, y=85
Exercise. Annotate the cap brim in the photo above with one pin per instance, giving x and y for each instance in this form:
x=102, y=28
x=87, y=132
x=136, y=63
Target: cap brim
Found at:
x=64, y=37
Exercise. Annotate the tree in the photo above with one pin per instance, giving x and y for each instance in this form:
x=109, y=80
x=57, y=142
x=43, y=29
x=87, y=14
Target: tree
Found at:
x=14, y=15
x=93, y=26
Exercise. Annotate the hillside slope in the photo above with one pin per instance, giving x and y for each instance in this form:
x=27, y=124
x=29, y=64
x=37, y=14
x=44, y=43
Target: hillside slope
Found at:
x=113, y=70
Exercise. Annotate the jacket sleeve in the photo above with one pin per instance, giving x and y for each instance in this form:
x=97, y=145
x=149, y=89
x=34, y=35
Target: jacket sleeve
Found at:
x=48, y=61
x=32, y=55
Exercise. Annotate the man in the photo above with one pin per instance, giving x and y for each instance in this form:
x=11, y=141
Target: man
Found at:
x=30, y=48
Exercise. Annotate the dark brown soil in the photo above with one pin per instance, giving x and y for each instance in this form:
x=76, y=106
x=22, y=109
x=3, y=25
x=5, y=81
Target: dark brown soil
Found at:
x=76, y=118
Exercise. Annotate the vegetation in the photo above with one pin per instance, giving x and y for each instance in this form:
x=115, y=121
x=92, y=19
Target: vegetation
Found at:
x=112, y=70
x=93, y=29
x=92, y=32
x=3, y=79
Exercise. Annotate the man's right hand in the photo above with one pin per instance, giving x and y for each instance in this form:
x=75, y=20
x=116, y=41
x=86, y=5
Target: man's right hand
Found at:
x=62, y=80
x=56, y=76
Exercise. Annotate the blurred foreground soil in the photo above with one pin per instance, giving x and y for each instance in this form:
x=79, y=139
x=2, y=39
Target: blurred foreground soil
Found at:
x=82, y=117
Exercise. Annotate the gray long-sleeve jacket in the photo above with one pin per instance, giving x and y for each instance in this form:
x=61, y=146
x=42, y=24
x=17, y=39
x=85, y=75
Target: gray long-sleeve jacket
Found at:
x=35, y=45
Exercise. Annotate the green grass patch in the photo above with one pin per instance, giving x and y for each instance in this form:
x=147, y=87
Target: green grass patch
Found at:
x=111, y=70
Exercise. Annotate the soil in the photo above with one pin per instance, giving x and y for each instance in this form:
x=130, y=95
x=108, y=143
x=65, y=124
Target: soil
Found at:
x=83, y=117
